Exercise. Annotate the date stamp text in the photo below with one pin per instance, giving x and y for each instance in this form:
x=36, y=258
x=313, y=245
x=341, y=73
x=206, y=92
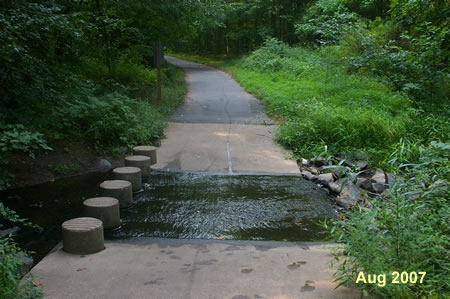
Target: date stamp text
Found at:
x=395, y=277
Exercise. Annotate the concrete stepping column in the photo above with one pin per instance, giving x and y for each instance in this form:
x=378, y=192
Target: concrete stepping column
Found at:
x=119, y=189
x=105, y=209
x=83, y=235
x=130, y=174
x=146, y=150
x=142, y=162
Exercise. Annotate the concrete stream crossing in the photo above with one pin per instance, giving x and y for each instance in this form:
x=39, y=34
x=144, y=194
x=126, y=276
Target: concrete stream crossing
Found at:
x=219, y=129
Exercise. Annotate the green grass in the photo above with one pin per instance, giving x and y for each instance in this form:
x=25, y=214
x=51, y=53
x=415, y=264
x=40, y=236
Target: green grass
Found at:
x=318, y=102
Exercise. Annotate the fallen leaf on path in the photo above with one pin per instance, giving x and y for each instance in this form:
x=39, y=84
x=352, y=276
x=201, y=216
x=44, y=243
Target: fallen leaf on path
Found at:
x=35, y=283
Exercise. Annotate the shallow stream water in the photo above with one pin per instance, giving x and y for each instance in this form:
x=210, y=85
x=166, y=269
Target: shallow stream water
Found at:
x=182, y=205
x=239, y=207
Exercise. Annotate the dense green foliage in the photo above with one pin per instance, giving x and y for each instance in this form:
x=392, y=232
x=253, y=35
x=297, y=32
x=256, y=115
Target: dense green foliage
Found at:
x=406, y=230
x=320, y=103
x=11, y=261
x=243, y=25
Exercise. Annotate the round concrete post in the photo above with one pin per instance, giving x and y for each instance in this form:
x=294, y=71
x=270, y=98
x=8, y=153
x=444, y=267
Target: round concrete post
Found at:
x=141, y=162
x=118, y=189
x=83, y=235
x=130, y=174
x=105, y=209
x=146, y=150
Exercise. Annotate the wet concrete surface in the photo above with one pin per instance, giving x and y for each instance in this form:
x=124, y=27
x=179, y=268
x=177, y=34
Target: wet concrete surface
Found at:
x=223, y=148
x=166, y=268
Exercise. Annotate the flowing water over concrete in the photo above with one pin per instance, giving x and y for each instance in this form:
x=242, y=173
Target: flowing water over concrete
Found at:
x=241, y=207
x=182, y=205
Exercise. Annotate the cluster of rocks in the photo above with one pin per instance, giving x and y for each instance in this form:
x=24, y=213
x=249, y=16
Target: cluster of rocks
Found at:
x=351, y=182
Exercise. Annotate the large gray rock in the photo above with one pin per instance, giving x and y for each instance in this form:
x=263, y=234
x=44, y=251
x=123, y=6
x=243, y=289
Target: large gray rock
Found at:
x=379, y=177
x=366, y=184
x=338, y=185
x=336, y=188
x=390, y=179
x=350, y=196
x=320, y=161
x=314, y=170
x=378, y=188
x=308, y=175
x=361, y=164
x=9, y=231
x=369, y=185
x=325, y=178
x=27, y=264
x=104, y=164
x=360, y=181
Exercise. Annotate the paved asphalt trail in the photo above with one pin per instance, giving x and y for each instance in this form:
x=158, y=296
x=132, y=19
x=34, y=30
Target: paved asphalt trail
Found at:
x=215, y=98
x=218, y=129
